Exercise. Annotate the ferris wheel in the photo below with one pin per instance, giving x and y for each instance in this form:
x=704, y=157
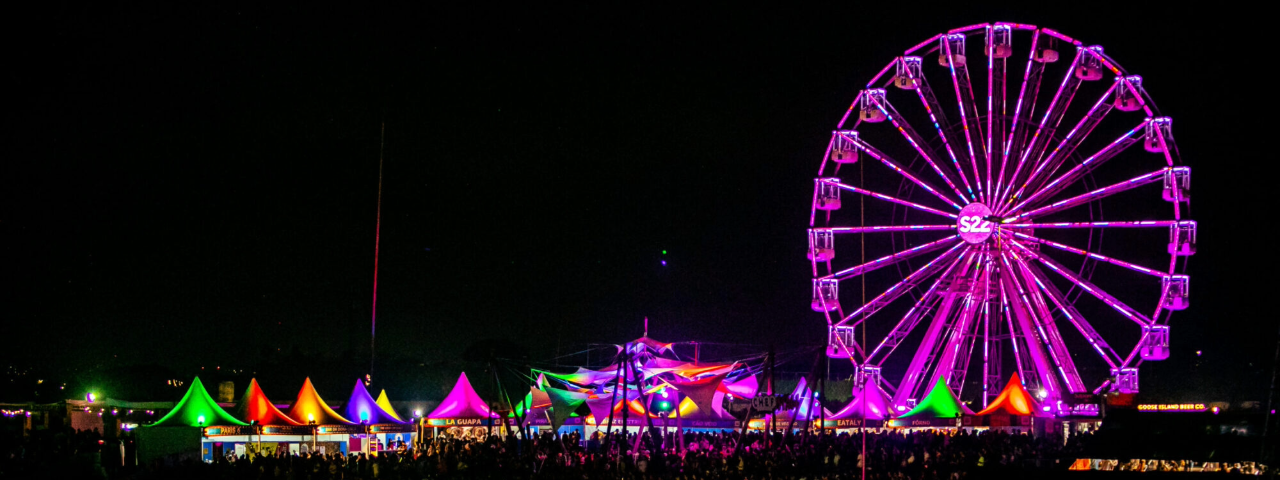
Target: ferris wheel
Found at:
x=959, y=236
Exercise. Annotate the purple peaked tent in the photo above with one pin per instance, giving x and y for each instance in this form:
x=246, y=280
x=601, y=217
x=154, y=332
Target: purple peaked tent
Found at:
x=362, y=408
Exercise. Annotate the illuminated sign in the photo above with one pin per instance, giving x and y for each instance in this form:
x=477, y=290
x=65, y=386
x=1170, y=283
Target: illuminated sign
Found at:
x=973, y=224
x=1172, y=407
x=924, y=422
x=852, y=423
x=449, y=422
x=1085, y=409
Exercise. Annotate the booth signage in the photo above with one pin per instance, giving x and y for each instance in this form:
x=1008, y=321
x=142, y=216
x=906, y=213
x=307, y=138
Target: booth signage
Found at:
x=459, y=422
x=852, y=423
x=924, y=422
x=1172, y=407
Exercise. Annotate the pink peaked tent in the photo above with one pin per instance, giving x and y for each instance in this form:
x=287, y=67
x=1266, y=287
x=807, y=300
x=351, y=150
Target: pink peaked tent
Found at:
x=868, y=404
x=462, y=403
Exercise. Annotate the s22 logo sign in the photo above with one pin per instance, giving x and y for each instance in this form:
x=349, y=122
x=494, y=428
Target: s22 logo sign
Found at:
x=973, y=224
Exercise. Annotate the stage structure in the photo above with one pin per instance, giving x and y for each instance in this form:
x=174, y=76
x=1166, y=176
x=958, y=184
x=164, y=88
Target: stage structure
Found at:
x=976, y=216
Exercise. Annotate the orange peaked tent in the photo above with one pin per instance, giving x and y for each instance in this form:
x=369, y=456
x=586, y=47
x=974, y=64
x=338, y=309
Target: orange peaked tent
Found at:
x=254, y=405
x=310, y=407
x=1013, y=400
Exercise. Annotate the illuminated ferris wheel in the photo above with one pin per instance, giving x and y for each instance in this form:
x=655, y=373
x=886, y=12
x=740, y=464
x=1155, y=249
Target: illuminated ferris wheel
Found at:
x=958, y=235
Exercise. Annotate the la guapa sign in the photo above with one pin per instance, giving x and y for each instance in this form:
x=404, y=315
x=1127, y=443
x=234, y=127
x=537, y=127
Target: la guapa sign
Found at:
x=460, y=422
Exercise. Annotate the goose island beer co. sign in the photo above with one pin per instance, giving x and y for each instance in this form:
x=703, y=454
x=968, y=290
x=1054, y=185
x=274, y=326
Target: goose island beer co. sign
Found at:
x=1172, y=407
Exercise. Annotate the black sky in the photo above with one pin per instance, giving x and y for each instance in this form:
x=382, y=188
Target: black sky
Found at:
x=196, y=186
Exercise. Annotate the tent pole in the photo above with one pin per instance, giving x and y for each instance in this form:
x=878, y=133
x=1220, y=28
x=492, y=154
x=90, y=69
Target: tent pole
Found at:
x=626, y=404
x=679, y=422
x=644, y=399
x=773, y=420
x=613, y=400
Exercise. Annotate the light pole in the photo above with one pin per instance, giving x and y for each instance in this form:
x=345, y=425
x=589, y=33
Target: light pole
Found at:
x=200, y=423
x=311, y=420
x=257, y=428
x=418, y=428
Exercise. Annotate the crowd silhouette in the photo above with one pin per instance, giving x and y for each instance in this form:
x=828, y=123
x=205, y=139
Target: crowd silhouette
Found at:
x=892, y=455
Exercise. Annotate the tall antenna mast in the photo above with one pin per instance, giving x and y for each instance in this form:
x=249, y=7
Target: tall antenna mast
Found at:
x=377, y=236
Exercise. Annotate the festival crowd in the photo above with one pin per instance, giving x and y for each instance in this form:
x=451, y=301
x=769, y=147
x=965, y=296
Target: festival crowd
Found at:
x=891, y=455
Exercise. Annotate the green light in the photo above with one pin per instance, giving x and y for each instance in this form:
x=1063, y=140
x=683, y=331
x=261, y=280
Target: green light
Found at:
x=197, y=409
x=940, y=403
x=664, y=252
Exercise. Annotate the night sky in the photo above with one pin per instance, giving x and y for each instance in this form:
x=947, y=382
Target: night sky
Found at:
x=193, y=188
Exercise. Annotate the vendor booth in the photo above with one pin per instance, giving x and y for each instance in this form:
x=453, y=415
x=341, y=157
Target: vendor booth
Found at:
x=939, y=409
x=462, y=413
x=187, y=430
x=869, y=409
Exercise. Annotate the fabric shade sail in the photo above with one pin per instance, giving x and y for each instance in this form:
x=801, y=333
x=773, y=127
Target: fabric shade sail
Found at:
x=702, y=393
x=310, y=407
x=585, y=377
x=197, y=409
x=744, y=387
x=563, y=405
x=255, y=406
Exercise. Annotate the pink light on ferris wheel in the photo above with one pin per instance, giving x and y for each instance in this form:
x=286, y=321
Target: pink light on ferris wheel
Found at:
x=1022, y=248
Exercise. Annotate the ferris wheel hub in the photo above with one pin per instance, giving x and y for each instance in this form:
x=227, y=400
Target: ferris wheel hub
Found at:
x=973, y=223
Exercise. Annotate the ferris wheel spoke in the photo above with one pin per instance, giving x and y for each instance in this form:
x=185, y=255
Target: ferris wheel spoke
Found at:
x=1103, y=192
x=1087, y=286
x=883, y=158
x=912, y=318
x=1021, y=360
x=900, y=288
x=942, y=126
x=964, y=96
x=1087, y=165
x=1077, y=320
x=896, y=200
x=1069, y=143
x=1095, y=256
x=1034, y=336
x=1048, y=123
x=951, y=366
x=1026, y=95
x=917, y=142
x=927, y=352
x=1049, y=330
x=852, y=107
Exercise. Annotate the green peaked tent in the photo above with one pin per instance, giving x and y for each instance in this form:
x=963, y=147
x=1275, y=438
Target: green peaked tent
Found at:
x=939, y=403
x=197, y=409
